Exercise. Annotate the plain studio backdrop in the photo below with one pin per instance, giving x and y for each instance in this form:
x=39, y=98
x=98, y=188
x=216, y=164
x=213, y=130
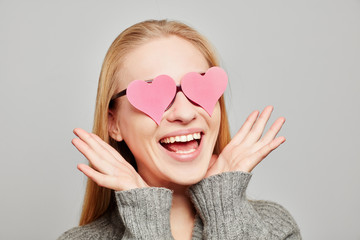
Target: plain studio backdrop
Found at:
x=303, y=57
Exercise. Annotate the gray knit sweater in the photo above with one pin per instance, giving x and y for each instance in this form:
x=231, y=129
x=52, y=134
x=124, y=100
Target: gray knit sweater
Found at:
x=223, y=212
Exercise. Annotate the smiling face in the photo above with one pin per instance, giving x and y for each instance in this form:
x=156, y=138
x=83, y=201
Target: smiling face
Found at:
x=179, y=149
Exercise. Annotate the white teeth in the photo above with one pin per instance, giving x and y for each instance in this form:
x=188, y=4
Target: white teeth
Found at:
x=181, y=138
x=190, y=137
x=185, y=152
x=197, y=135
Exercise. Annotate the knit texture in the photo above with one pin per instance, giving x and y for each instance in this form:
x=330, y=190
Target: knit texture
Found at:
x=145, y=213
x=223, y=212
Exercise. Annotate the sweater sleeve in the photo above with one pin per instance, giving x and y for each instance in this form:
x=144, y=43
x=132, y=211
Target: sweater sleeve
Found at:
x=226, y=213
x=145, y=213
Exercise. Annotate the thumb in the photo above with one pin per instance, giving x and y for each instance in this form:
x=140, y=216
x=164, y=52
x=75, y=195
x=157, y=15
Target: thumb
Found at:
x=213, y=159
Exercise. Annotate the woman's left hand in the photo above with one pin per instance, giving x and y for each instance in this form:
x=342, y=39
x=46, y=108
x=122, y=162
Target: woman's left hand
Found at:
x=248, y=147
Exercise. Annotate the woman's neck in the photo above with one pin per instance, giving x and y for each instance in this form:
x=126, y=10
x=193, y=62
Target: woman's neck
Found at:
x=182, y=215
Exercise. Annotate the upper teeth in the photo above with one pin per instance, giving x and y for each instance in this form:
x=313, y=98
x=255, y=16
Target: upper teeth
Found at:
x=181, y=138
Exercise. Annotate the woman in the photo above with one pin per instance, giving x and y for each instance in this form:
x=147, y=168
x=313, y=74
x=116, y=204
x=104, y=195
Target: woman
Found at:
x=164, y=167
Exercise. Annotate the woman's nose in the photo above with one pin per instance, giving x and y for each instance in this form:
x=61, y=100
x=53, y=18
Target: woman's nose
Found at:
x=182, y=110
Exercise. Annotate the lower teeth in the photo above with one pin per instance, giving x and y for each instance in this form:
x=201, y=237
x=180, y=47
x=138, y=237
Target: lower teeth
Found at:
x=188, y=151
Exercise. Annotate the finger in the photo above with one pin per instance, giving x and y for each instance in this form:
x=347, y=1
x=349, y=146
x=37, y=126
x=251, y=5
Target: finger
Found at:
x=273, y=131
x=213, y=159
x=245, y=128
x=87, y=138
x=259, y=125
x=263, y=152
x=217, y=165
x=117, y=156
x=99, y=163
x=90, y=140
x=109, y=148
x=99, y=178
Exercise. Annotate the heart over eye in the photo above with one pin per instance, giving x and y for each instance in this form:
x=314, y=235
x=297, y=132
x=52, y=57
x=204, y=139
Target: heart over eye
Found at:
x=205, y=90
x=153, y=98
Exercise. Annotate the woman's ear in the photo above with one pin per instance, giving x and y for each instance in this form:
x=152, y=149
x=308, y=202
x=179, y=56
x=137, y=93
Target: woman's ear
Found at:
x=114, y=128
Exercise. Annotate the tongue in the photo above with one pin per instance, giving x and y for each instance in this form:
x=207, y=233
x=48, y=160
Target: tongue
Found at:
x=181, y=146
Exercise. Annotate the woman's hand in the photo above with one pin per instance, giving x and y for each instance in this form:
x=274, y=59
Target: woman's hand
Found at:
x=108, y=168
x=247, y=149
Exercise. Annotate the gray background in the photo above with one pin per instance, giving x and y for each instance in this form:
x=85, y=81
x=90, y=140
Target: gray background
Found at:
x=303, y=57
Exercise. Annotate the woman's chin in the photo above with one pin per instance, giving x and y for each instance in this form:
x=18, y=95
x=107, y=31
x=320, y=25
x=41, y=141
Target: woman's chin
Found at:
x=170, y=172
x=186, y=179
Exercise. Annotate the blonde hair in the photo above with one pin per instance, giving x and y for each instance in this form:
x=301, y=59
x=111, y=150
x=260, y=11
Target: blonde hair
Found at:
x=97, y=199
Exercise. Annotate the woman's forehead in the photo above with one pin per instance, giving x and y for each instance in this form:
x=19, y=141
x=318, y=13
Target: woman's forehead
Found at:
x=172, y=56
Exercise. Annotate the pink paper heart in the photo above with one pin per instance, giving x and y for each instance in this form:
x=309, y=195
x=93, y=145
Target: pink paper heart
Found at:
x=152, y=98
x=207, y=89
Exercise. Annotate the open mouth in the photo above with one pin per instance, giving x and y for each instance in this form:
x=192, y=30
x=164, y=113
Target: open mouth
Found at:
x=182, y=144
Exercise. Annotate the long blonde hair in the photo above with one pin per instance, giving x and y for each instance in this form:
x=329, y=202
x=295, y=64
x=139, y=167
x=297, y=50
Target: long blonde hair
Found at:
x=97, y=199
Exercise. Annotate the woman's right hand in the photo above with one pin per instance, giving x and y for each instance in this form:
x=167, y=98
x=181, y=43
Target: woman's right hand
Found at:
x=108, y=168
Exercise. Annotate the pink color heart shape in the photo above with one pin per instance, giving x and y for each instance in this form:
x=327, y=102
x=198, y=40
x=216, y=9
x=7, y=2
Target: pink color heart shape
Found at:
x=207, y=89
x=152, y=98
